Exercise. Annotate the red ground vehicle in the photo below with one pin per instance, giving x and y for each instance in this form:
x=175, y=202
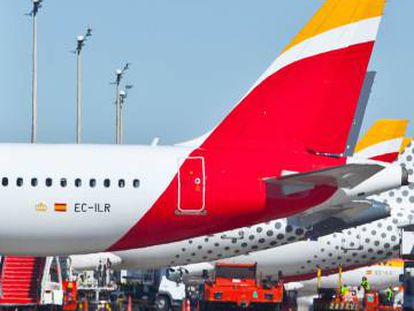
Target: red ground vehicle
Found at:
x=70, y=296
x=237, y=286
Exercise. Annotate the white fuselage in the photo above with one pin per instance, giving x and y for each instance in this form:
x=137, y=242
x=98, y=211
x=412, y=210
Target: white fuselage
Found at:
x=73, y=199
x=81, y=228
x=380, y=277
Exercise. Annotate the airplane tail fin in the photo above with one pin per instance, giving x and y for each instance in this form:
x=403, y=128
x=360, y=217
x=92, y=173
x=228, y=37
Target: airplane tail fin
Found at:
x=406, y=143
x=307, y=98
x=383, y=141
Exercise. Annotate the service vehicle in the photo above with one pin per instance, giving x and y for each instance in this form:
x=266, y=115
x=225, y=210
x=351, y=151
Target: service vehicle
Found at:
x=330, y=299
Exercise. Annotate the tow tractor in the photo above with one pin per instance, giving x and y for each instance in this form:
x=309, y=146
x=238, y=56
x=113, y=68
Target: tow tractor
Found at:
x=237, y=286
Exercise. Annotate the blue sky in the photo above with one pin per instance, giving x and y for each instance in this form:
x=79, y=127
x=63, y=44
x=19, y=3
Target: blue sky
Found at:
x=191, y=61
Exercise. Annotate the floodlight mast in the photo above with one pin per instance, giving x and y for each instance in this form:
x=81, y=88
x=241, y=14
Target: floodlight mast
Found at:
x=119, y=75
x=37, y=4
x=123, y=94
x=81, y=41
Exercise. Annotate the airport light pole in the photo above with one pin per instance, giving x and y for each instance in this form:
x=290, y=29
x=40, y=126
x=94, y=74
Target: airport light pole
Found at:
x=119, y=75
x=37, y=4
x=81, y=41
x=123, y=94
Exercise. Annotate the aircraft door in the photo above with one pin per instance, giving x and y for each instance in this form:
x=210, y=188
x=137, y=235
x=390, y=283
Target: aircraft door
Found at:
x=191, y=186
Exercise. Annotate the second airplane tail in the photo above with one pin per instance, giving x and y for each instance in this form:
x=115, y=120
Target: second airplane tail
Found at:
x=383, y=141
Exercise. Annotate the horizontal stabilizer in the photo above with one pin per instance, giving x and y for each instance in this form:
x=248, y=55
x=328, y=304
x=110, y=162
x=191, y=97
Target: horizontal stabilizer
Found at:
x=346, y=176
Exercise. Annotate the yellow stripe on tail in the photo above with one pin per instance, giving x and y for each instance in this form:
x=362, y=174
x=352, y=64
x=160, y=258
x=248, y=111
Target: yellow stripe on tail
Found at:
x=381, y=131
x=337, y=13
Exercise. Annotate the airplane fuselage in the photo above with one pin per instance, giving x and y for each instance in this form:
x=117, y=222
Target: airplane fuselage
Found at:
x=66, y=199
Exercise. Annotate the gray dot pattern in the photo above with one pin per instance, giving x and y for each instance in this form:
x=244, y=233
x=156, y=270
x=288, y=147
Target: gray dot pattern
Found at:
x=238, y=241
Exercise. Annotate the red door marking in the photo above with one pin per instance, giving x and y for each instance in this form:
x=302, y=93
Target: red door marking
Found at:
x=191, y=186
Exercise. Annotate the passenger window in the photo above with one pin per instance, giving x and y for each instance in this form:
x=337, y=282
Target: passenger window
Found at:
x=33, y=182
x=92, y=182
x=5, y=181
x=107, y=183
x=121, y=183
x=135, y=183
x=48, y=182
x=63, y=182
x=19, y=182
x=78, y=182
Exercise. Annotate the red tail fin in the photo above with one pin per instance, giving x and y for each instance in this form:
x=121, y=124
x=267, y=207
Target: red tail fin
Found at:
x=308, y=96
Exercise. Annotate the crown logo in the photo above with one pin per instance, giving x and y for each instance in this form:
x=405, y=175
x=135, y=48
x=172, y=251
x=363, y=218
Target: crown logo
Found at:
x=41, y=207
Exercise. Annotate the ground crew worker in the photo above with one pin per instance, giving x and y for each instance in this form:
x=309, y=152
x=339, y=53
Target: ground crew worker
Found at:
x=390, y=296
x=344, y=290
x=365, y=285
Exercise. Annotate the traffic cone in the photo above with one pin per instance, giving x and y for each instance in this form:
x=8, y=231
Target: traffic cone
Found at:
x=185, y=305
x=129, y=308
x=85, y=304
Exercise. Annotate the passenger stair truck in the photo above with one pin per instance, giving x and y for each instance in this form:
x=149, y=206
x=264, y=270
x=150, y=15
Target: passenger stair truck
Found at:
x=29, y=281
x=237, y=285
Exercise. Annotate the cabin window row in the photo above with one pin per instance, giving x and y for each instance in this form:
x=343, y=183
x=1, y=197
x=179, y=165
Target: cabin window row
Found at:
x=78, y=182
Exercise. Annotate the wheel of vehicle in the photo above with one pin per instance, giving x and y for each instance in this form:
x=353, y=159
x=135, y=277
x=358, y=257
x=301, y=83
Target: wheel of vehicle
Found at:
x=203, y=306
x=211, y=306
x=162, y=303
